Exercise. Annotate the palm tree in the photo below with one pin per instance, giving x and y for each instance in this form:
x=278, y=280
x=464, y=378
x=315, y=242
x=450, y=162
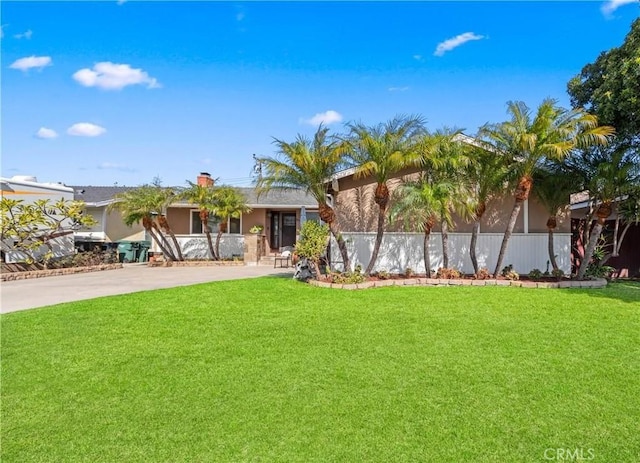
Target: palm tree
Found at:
x=553, y=186
x=529, y=140
x=307, y=164
x=165, y=196
x=228, y=202
x=419, y=204
x=443, y=158
x=608, y=174
x=487, y=174
x=203, y=197
x=141, y=205
x=381, y=151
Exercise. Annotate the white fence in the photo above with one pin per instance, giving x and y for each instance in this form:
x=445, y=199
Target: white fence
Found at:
x=400, y=251
x=196, y=247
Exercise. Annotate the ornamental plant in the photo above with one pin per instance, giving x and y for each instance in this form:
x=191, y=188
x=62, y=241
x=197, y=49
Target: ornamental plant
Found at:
x=312, y=243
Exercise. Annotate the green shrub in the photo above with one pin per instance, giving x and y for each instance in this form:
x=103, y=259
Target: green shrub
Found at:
x=557, y=273
x=535, y=274
x=408, y=272
x=313, y=241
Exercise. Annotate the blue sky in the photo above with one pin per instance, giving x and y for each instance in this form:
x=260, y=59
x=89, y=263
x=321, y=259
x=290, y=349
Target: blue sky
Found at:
x=104, y=93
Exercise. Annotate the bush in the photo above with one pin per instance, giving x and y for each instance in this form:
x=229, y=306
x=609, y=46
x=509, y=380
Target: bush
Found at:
x=383, y=275
x=448, y=274
x=509, y=273
x=483, y=274
x=408, y=272
x=557, y=273
x=348, y=278
x=312, y=243
x=535, y=274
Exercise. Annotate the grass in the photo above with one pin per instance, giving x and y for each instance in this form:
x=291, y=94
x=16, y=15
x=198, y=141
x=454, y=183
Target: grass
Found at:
x=272, y=370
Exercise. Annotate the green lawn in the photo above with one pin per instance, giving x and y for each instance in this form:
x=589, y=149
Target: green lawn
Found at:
x=273, y=370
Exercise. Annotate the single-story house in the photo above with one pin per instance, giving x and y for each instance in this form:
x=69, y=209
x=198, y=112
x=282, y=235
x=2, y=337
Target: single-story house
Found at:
x=357, y=218
x=279, y=212
x=109, y=227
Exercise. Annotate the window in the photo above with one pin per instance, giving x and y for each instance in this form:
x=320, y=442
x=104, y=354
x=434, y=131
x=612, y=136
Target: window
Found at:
x=196, y=223
x=234, y=225
x=313, y=216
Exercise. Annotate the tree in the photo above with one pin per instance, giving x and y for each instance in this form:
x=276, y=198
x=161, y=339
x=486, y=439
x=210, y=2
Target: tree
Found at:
x=420, y=204
x=610, y=89
x=203, y=197
x=28, y=227
x=609, y=175
x=146, y=204
x=488, y=177
x=553, y=185
x=528, y=140
x=228, y=202
x=313, y=243
x=381, y=151
x=309, y=165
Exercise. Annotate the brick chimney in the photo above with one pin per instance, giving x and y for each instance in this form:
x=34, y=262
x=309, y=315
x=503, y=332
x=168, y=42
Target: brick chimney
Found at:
x=204, y=179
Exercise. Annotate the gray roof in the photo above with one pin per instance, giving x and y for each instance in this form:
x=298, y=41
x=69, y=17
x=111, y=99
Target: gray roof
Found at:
x=275, y=197
x=97, y=194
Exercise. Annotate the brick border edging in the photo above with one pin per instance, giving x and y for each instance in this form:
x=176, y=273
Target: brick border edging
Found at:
x=13, y=276
x=598, y=283
x=196, y=263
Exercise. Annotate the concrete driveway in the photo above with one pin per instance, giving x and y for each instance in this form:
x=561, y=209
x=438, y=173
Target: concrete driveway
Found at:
x=39, y=292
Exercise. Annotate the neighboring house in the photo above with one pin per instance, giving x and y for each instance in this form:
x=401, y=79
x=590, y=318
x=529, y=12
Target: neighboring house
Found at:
x=627, y=263
x=109, y=227
x=27, y=189
x=279, y=211
x=357, y=217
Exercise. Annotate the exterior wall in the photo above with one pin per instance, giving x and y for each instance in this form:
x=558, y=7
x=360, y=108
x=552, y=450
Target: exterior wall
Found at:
x=357, y=212
x=179, y=219
x=400, y=251
x=255, y=217
x=117, y=230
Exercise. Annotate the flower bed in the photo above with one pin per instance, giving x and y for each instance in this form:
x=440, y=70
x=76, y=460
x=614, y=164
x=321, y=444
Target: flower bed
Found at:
x=25, y=275
x=413, y=281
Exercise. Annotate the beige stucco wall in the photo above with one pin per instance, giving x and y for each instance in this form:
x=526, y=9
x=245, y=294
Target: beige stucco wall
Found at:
x=117, y=230
x=179, y=219
x=357, y=212
x=96, y=213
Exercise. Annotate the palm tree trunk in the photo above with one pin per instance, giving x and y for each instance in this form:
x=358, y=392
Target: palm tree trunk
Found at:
x=473, y=244
x=507, y=235
x=162, y=241
x=207, y=233
x=164, y=223
x=445, y=244
x=425, y=245
x=588, y=252
x=218, y=236
x=551, y=247
x=378, y=243
x=604, y=211
x=161, y=244
x=328, y=216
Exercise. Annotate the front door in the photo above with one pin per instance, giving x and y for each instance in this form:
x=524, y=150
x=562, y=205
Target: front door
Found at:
x=288, y=229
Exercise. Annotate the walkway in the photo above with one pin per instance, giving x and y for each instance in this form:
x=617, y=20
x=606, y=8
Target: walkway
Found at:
x=39, y=292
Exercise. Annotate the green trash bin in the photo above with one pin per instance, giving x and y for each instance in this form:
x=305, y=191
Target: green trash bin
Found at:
x=127, y=251
x=144, y=251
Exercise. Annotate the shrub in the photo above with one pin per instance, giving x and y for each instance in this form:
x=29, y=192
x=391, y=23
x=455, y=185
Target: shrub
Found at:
x=348, y=278
x=383, y=275
x=448, y=273
x=557, y=273
x=483, y=274
x=509, y=273
x=313, y=242
x=408, y=272
x=535, y=274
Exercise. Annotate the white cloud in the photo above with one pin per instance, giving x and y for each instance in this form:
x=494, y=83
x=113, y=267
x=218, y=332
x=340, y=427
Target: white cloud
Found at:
x=85, y=129
x=326, y=118
x=418, y=57
x=24, y=64
x=44, y=133
x=398, y=89
x=121, y=2
x=113, y=76
x=456, y=41
x=25, y=35
x=610, y=6
x=115, y=166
